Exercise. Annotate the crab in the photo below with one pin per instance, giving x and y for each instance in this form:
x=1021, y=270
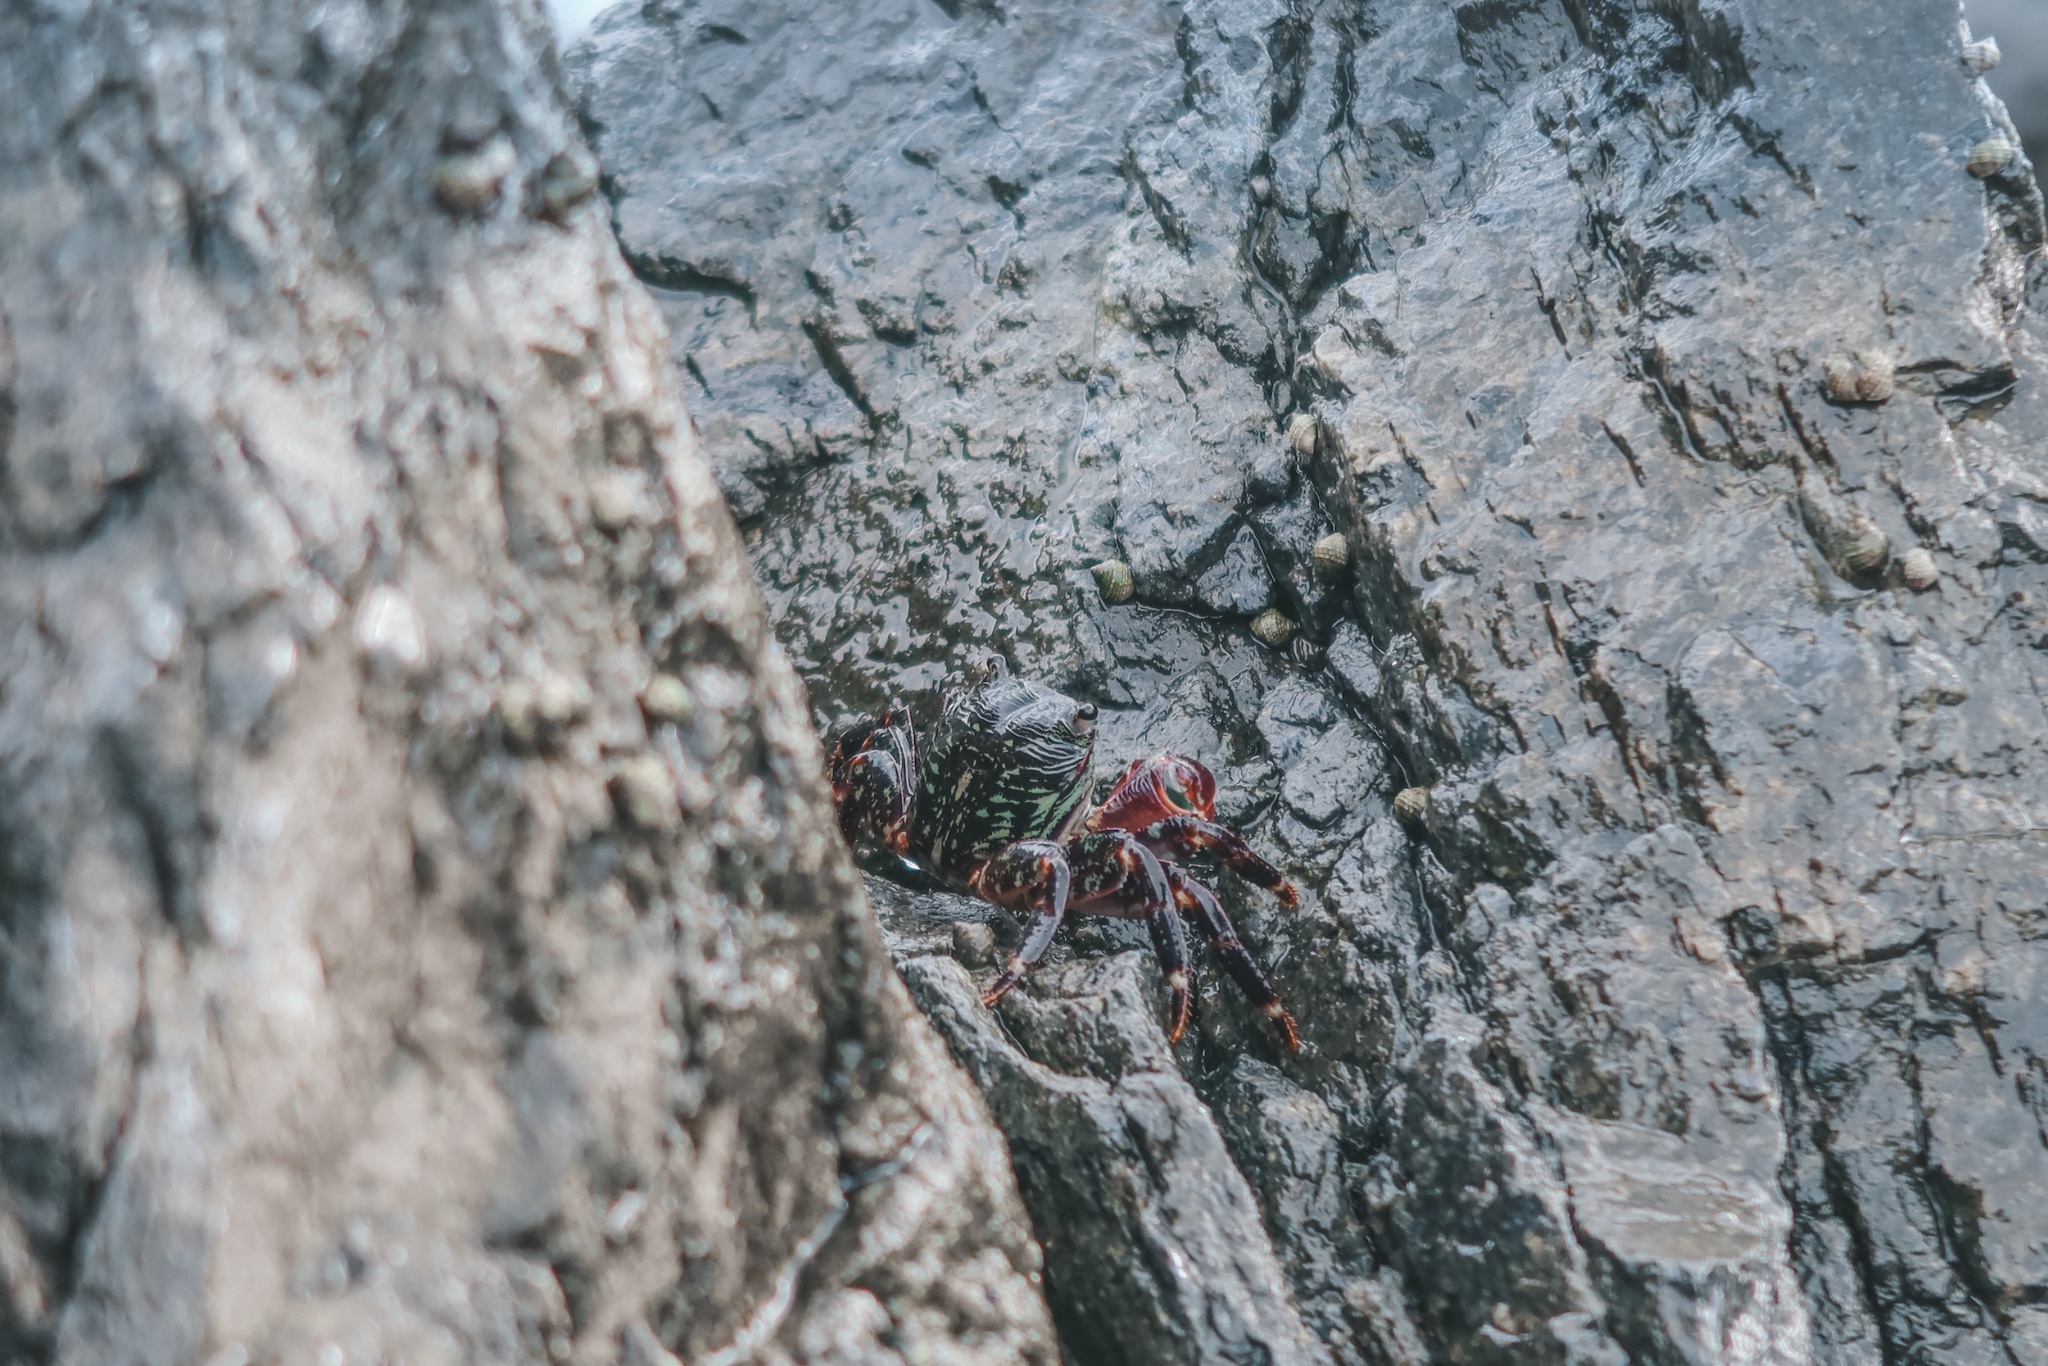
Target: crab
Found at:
x=994, y=802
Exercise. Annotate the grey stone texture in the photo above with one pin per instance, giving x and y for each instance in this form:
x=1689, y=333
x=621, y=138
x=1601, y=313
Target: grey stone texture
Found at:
x=377, y=983
x=1697, y=1018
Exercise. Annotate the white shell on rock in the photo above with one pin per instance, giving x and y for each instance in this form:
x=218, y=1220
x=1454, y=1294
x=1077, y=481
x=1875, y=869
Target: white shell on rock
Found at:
x=1301, y=432
x=1411, y=804
x=516, y=715
x=1981, y=55
x=1917, y=568
x=1989, y=157
x=1859, y=377
x=1867, y=547
x=470, y=182
x=667, y=700
x=561, y=699
x=1332, y=554
x=646, y=795
x=614, y=500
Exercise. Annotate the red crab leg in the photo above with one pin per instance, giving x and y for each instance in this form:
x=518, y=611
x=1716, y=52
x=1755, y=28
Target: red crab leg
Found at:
x=1207, y=912
x=873, y=769
x=1116, y=875
x=1033, y=872
x=1186, y=836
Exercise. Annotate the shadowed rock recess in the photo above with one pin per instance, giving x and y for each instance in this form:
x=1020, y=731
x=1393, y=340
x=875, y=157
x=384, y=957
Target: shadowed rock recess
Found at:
x=379, y=982
x=1670, y=373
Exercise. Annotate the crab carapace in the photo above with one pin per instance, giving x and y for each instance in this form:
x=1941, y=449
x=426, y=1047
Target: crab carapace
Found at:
x=994, y=802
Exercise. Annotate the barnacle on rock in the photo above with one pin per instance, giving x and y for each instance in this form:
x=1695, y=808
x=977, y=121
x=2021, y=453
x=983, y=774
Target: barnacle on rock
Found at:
x=1859, y=377
x=1113, y=577
x=1272, y=629
x=1917, y=568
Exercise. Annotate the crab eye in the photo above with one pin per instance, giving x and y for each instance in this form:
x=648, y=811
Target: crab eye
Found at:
x=1083, y=720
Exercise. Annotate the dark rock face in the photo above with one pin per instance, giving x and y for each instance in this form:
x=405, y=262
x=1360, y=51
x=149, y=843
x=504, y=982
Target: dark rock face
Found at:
x=1675, y=387
x=378, y=980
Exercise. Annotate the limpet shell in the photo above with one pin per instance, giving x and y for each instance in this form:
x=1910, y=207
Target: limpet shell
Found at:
x=560, y=699
x=645, y=794
x=1866, y=548
x=516, y=715
x=1272, y=629
x=1332, y=554
x=569, y=178
x=1918, y=569
x=614, y=500
x=667, y=701
x=1981, y=55
x=1989, y=157
x=470, y=182
x=1859, y=377
x=1301, y=433
x=1113, y=577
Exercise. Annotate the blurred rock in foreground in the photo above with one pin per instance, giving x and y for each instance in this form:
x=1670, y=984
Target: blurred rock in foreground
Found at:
x=378, y=982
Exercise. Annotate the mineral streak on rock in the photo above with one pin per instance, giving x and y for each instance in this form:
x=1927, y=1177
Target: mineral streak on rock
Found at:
x=1700, y=1022
x=339, y=1022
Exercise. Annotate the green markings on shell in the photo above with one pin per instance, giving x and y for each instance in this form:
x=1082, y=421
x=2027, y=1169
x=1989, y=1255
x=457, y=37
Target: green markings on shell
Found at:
x=1003, y=764
x=1272, y=629
x=1113, y=577
x=1989, y=157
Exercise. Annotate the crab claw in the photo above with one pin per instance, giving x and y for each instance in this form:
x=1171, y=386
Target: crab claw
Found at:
x=1156, y=789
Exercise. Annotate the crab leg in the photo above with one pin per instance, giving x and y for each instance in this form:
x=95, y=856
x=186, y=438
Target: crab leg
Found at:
x=1208, y=914
x=1116, y=875
x=873, y=770
x=1186, y=836
x=1034, y=872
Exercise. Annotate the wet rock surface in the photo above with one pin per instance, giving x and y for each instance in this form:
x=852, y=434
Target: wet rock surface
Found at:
x=423, y=932
x=1672, y=379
